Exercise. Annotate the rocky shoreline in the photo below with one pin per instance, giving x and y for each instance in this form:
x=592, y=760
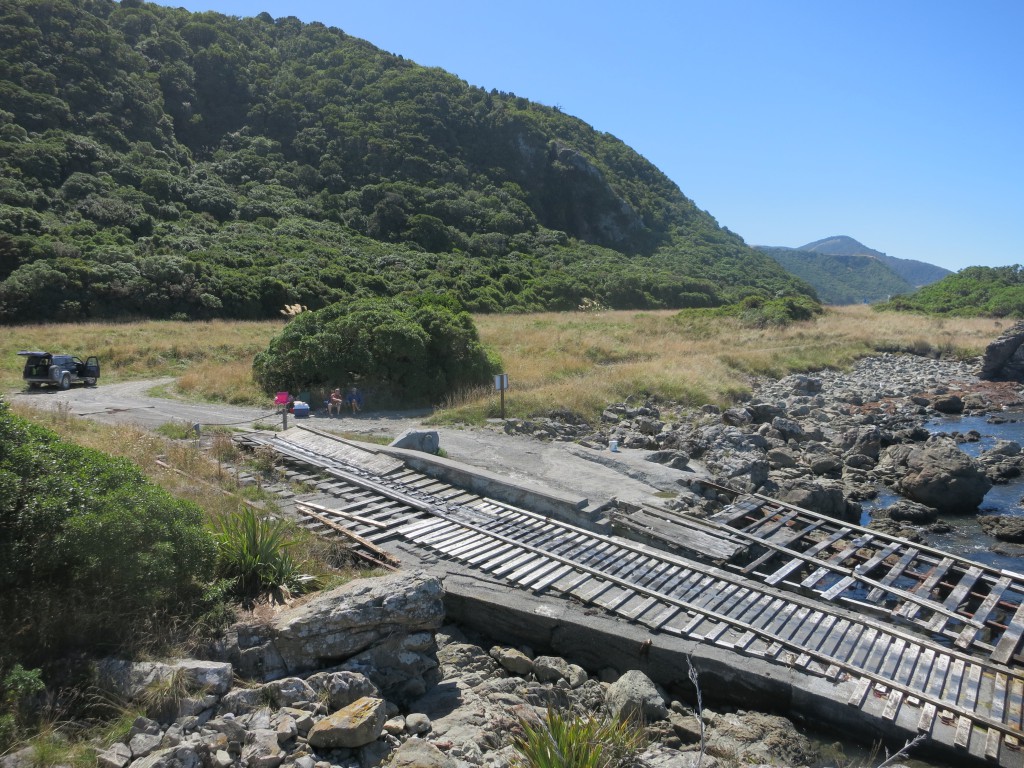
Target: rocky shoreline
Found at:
x=828, y=442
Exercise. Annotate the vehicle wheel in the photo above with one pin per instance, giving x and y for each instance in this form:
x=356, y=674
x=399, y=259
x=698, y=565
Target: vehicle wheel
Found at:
x=90, y=382
x=65, y=381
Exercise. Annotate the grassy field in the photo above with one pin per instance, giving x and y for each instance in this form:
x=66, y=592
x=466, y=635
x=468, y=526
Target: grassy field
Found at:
x=580, y=361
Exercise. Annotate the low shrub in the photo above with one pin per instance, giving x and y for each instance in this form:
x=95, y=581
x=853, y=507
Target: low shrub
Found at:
x=565, y=740
x=253, y=551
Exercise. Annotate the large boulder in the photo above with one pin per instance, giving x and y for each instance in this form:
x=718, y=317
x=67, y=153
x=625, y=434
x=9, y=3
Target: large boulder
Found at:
x=634, y=695
x=942, y=476
x=356, y=725
x=1004, y=357
x=339, y=624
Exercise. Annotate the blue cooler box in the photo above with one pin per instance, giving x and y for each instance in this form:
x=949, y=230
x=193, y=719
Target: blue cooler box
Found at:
x=301, y=410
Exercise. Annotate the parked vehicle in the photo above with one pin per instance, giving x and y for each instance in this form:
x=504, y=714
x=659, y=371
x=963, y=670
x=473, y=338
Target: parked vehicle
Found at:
x=59, y=370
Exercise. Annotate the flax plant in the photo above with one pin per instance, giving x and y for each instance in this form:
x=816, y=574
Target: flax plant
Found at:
x=564, y=740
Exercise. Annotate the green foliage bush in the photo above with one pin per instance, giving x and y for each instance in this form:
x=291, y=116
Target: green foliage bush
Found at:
x=18, y=689
x=92, y=556
x=565, y=740
x=411, y=352
x=252, y=551
x=971, y=292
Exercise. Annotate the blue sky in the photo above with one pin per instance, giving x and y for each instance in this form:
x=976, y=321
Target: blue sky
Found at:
x=900, y=124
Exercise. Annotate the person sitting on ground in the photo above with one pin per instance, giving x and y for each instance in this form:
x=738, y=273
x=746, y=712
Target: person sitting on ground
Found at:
x=354, y=399
x=334, y=402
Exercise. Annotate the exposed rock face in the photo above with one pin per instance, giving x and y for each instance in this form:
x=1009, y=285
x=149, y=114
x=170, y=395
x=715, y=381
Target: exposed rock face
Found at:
x=425, y=441
x=940, y=475
x=1004, y=357
x=337, y=625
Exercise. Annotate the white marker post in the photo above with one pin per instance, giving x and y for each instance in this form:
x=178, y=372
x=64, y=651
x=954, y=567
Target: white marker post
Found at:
x=501, y=384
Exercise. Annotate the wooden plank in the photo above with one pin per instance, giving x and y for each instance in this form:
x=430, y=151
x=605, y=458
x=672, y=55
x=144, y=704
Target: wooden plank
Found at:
x=894, y=573
x=910, y=610
x=877, y=654
x=963, y=732
x=738, y=510
x=969, y=692
x=951, y=690
x=809, y=627
x=1007, y=645
x=1014, y=702
x=860, y=690
x=954, y=598
x=905, y=670
x=821, y=631
x=922, y=670
x=834, y=639
x=992, y=739
x=863, y=648
x=835, y=562
x=892, y=704
x=892, y=657
x=924, y=722
x=937, y=679
x=1000, y=684
x=991, y=601
x=796, y=562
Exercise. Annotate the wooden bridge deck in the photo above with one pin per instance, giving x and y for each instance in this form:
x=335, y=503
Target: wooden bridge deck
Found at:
x=933, y=639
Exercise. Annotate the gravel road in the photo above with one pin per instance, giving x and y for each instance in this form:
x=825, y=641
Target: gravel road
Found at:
x=598, y=475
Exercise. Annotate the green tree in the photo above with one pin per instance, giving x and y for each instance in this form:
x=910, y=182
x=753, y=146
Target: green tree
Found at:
x=399, y=351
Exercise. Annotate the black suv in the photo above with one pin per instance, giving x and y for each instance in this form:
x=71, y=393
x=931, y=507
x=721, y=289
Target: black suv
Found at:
x=59, y=370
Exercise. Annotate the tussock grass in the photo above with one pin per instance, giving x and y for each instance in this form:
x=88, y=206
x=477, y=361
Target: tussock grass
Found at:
x=583, y=361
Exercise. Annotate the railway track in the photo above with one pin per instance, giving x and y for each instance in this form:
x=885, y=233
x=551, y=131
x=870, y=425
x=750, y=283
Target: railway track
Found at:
x=799, y=597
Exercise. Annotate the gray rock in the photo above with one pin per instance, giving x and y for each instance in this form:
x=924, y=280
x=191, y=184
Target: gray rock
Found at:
x=349, y=619
x=549, y=669
x=417, y=753
x=262, y=749
x=512, y=660
x=426, y=441
x=940, y=475
x=142, y=744
x=417, y=723
x=635, y=695
x=353, y=726
x=287, y=691
x=1009, y=528
x=117, y=756
x=342, y=688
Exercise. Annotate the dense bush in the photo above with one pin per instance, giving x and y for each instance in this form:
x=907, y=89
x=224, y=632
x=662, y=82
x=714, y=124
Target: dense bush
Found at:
x=92, y=556
x=269, y=161
x=971, y=292
x=758, y=312
x=398, y=351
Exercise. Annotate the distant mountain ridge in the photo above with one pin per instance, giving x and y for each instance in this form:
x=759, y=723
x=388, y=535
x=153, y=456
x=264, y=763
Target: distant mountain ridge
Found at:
x=844, y=271
x=917, y=273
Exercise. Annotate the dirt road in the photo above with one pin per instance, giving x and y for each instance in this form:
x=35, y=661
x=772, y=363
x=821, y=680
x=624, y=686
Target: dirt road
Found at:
x=599, y=475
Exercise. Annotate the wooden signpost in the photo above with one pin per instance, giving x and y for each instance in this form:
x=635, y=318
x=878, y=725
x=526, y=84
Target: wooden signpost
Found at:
x=501, y=384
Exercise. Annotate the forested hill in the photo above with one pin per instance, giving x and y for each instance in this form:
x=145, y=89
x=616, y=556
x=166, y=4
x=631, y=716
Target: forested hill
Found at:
x=841, y=279
x=163, y=163
x=916, y=273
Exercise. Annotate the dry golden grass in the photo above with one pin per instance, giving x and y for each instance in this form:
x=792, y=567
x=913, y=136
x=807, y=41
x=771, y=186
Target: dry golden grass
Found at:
x=141, y=350
x=576, y=360
x=583, y=361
